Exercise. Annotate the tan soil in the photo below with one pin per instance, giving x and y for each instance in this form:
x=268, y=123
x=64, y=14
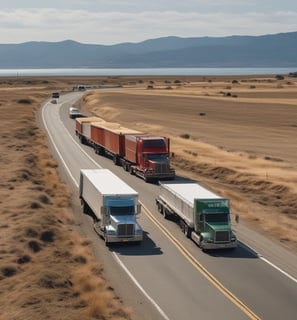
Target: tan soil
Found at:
x=236, y=137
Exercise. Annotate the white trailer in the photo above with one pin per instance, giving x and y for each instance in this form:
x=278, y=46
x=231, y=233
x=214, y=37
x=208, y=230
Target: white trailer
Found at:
x=203, y=215
x=113, y=205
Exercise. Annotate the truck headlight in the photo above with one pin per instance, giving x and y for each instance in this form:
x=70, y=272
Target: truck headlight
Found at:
x=138, y=231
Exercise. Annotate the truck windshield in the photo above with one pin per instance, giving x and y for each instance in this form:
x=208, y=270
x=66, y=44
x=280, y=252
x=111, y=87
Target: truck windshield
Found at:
x=157, y=157
x=121, y=211
x=154, y=143
x=217, y=217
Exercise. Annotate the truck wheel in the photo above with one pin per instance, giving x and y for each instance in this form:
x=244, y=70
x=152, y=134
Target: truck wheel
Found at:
x=200, y=243
x=115, y=160
x=82, y=140
x=159, y=208
x=131, y=170
x=125, y=166
x=165, y=215
x=186, y=230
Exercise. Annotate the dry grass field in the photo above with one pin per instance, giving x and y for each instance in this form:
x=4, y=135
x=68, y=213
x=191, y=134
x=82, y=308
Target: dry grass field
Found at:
x=236, y=135
x=47, y=271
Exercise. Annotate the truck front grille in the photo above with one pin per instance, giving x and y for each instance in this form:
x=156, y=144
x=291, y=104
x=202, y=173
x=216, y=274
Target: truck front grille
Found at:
x=162, y=168
x=125, y=229
x=222, y=236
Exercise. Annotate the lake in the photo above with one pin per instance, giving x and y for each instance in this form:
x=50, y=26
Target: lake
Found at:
x=144, y=72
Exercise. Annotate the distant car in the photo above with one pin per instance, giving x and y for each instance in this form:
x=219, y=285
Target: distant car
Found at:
x=74, y=113
x=55, y=95
x=81, y=87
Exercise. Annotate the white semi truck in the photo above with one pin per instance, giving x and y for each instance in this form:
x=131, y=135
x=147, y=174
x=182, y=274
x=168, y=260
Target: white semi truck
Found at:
x=204, y=216
x=113, y=205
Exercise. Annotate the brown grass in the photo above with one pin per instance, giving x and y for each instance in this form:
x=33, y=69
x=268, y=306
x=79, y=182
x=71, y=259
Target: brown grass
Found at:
x=242, y=147
x=47, y=271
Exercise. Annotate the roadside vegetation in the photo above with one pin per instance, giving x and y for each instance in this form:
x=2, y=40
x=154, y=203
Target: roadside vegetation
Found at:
x=47, y=271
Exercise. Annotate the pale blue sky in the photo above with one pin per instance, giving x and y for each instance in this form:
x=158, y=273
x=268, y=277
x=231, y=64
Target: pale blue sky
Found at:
x=116, y=21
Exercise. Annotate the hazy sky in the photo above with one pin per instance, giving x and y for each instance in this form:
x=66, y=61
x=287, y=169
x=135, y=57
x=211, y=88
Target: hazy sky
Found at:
x=116, y=21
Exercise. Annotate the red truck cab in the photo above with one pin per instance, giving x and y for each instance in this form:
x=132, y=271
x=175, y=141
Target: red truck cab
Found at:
x=149, y=157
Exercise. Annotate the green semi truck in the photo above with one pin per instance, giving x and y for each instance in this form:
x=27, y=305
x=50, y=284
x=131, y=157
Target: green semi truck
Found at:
x=203, y=215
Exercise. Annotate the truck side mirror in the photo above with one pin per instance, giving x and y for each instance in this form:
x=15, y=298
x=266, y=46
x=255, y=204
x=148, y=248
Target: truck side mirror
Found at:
x=103, y=211
x=237, y=218
x=138, y=209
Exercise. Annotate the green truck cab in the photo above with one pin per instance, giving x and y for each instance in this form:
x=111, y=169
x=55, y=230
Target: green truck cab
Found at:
x=212, y=224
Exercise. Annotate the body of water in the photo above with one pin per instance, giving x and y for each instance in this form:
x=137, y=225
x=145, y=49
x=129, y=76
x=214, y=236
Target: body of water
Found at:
x=144, y=72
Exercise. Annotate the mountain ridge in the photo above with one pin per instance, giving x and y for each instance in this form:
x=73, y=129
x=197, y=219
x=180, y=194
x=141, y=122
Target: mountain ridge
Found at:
x=272, y=50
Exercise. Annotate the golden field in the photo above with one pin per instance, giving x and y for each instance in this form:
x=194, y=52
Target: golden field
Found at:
x=236, y=135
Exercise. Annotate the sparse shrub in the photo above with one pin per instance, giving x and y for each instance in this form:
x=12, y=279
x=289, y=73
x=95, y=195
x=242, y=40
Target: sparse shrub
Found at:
x=31, y=233
x=24, y=259
x=279, y=77
x=81, y=259
x=35, y=205
x=185, y=136
x=253, y=87
x=168, y=88
x=202, y=114
x=44, y=199
x=9, y=271
x=34, y=246
x=24, y=101
x=150, y=87
x=177, y=81
x=293, y=74
x=235, y=82
x=47, y=236
x=53, y=279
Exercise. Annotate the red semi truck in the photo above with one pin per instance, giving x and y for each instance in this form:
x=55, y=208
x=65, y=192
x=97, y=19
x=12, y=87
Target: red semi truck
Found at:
x=140, y=154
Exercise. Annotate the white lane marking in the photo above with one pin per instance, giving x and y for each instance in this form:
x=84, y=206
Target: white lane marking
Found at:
x=139, y=286
x=114, y=254
x=277, y=268
x=261, y=257
x=54, y=144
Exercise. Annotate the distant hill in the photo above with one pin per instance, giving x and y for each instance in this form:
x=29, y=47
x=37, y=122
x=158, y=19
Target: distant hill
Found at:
x=278, y=50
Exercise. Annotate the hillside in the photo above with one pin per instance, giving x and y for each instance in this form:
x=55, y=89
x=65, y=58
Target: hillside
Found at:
x=276, y=50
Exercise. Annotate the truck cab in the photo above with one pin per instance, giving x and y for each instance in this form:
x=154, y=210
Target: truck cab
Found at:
x=153, y=158
x=212, y=223
x=112, y=204
x=120, y=221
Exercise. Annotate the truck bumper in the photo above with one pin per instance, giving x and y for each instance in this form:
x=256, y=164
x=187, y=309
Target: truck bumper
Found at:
x=158, y=176
x=212, y=245
x=114, y=239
